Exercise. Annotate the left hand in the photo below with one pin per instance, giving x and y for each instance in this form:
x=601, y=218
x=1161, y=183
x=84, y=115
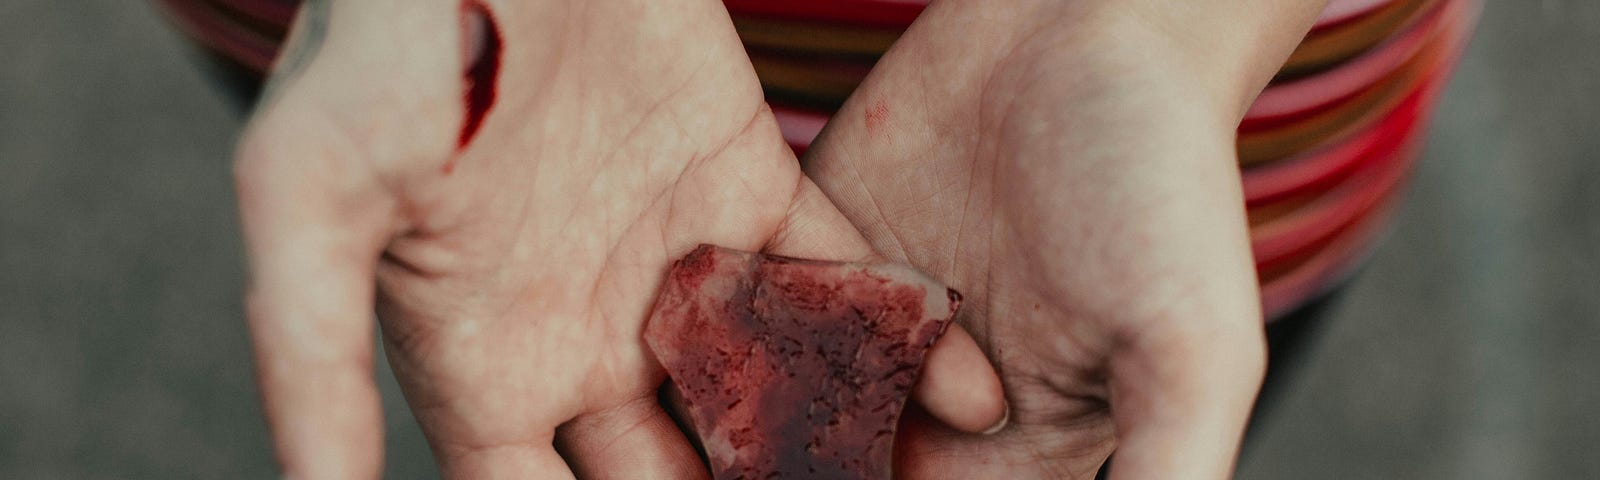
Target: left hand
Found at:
x=1069, y=166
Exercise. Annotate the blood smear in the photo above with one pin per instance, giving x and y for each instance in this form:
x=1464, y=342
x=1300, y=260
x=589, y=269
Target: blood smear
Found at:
x=481, y=76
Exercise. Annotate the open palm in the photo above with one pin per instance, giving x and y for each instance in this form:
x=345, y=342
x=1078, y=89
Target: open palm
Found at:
x=1083, y=192
x=514, y=261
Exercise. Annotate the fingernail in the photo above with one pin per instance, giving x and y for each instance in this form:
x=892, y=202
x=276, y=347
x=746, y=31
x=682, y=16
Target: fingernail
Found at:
x=1000, y=425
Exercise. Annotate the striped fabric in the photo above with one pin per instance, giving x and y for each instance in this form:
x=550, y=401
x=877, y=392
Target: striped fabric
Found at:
x=1323, y=150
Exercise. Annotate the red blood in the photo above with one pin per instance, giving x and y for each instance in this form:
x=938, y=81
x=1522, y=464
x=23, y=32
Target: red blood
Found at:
x=480, y=77
x=876, y=116
x=795, y=368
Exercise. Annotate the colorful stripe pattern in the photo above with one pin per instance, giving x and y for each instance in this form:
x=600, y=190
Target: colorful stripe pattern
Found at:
x=1323, y=150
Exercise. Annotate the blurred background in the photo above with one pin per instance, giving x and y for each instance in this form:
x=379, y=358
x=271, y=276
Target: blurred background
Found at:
x=1466, y=349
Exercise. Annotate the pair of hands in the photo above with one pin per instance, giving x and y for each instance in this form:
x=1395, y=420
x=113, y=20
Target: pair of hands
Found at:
x=1045, y=160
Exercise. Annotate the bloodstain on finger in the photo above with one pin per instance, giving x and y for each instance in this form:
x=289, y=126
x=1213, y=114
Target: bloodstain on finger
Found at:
x=481, y=34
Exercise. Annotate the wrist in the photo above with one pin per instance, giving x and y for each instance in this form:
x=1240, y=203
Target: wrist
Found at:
x=1234, y=46
x=1229, y=49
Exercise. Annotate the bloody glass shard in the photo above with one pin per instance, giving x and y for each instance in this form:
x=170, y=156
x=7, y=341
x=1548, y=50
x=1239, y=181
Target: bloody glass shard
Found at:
x=795, y=368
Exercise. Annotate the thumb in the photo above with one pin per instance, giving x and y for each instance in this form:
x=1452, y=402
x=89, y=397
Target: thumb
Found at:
x=958, y=385
x=315, y=218
x=313, y=231
x=1180, y=399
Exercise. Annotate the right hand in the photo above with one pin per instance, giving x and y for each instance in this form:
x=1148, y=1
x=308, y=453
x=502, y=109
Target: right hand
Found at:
x=514, y=275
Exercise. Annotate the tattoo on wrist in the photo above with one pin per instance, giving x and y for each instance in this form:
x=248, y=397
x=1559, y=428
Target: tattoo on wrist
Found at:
x=309, y=31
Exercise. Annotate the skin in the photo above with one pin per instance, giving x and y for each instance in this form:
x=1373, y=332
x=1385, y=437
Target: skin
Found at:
x=1071, y=167
x=511, y=291
x=1075, y=178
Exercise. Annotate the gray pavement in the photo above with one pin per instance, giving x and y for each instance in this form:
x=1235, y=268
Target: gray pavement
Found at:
x=1466, y=350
